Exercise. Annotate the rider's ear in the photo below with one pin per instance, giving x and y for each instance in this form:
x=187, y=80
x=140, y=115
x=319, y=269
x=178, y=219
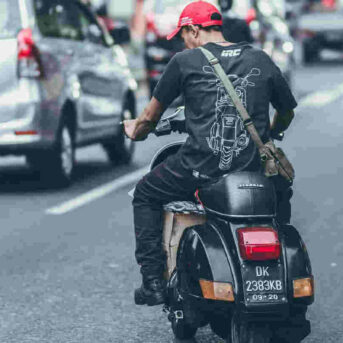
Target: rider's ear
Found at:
x=194, y=30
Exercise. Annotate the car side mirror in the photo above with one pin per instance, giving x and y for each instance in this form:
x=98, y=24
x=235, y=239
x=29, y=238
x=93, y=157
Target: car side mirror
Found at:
x=121, y=33
x=94, y=34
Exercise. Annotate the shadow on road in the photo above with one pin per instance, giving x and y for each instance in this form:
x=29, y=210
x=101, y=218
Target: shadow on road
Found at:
x=19, y=178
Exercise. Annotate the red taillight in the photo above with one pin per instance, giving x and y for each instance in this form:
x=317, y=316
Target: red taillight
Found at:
x=154, y=73
x=258, y=243
x=150, y=22
x=28, y=65
x=26, y=133
x=303, y=34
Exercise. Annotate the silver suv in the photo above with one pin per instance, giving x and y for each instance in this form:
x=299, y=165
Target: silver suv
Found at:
x=63, y=84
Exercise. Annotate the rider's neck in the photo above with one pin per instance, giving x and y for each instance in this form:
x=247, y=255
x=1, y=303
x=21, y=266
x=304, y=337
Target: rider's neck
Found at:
x=213, y=37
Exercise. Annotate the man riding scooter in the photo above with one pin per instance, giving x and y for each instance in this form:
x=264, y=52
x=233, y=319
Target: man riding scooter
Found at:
x=200, y=24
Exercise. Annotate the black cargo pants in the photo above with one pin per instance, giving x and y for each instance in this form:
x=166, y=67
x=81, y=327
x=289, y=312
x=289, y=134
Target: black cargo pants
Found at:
x=161, y=186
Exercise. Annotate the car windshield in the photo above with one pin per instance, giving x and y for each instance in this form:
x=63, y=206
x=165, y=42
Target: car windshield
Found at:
x=9, y=18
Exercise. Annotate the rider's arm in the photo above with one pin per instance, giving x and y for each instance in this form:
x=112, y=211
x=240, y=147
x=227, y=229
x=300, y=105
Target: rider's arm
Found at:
x=281, y=121
x=139, y=129
x=282, y=100
x=167, y=89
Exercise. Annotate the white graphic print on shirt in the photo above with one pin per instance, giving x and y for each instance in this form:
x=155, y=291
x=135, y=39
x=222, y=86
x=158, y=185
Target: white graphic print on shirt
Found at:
x=228, y=136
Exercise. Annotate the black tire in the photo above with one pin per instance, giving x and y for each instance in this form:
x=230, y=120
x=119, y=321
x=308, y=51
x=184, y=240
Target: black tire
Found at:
x=120, y=149
x=281, y=340
x=221, y=326
x=310, y=54
x=182, y=330
x=56, y=166
x=248, y=332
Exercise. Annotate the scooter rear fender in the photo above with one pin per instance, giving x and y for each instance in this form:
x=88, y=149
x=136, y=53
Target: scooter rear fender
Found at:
x=203, y=255
x=297, y=261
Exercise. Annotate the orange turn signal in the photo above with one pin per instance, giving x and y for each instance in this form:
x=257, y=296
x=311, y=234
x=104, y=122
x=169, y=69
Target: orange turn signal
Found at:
x=303, y=287
x=217, y=290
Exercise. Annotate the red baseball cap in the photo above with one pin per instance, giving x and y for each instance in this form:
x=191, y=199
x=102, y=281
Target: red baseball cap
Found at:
x=197, y=13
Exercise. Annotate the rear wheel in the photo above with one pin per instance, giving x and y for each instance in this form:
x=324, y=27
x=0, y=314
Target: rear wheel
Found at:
x=248, y=332
x=181, y=328
x=310, y=53
x=120, y=149
x=220, y=326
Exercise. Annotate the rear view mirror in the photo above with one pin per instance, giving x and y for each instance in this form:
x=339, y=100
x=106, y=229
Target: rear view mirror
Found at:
x=94, y=34
x=121, y=33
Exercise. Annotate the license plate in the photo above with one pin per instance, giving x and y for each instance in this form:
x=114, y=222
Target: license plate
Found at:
x=263, y=283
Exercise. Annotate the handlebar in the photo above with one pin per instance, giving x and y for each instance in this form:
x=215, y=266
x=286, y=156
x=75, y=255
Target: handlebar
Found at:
x=172, y=123
x=277, y=135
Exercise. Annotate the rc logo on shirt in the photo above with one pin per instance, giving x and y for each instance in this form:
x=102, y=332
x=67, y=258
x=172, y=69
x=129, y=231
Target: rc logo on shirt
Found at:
x=231, y=53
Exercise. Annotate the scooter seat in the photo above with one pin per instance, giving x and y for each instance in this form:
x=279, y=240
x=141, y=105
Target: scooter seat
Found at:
x=185, y=207
x=240, y=195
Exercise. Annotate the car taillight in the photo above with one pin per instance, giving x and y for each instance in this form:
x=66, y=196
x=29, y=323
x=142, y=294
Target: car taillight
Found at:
x=258, y=243
x=28, y=64
x=303, y=34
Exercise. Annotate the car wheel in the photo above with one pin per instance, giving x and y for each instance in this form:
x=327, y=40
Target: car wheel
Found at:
x=120, y=149
x=310, y=54
x=56, y=166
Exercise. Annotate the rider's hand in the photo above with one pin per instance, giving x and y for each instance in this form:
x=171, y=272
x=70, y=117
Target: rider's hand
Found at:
x=130, y=128
x=136, y=130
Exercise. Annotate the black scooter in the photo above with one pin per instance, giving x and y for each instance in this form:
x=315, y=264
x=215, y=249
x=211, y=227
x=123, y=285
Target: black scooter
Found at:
x=241, y=272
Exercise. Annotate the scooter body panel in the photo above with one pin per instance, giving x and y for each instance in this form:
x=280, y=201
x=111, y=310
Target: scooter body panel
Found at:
x=202, y=255
x=297, y=261
x=210, y=251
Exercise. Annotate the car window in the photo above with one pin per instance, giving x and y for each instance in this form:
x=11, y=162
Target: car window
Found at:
x=90, y=28
x=9, y=18
x=56, y=18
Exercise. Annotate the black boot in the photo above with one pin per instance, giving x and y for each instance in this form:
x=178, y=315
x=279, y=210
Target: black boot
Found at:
x=151, y=293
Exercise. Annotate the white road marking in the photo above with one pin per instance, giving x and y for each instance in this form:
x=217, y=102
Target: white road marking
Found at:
x=97, y=192
x=322, y=98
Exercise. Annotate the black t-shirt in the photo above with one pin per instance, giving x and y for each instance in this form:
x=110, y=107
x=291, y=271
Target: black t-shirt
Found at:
x=218, y=142
x=236, y=30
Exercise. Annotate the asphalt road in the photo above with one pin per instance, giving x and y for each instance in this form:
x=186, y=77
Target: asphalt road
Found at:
x=69, y=278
